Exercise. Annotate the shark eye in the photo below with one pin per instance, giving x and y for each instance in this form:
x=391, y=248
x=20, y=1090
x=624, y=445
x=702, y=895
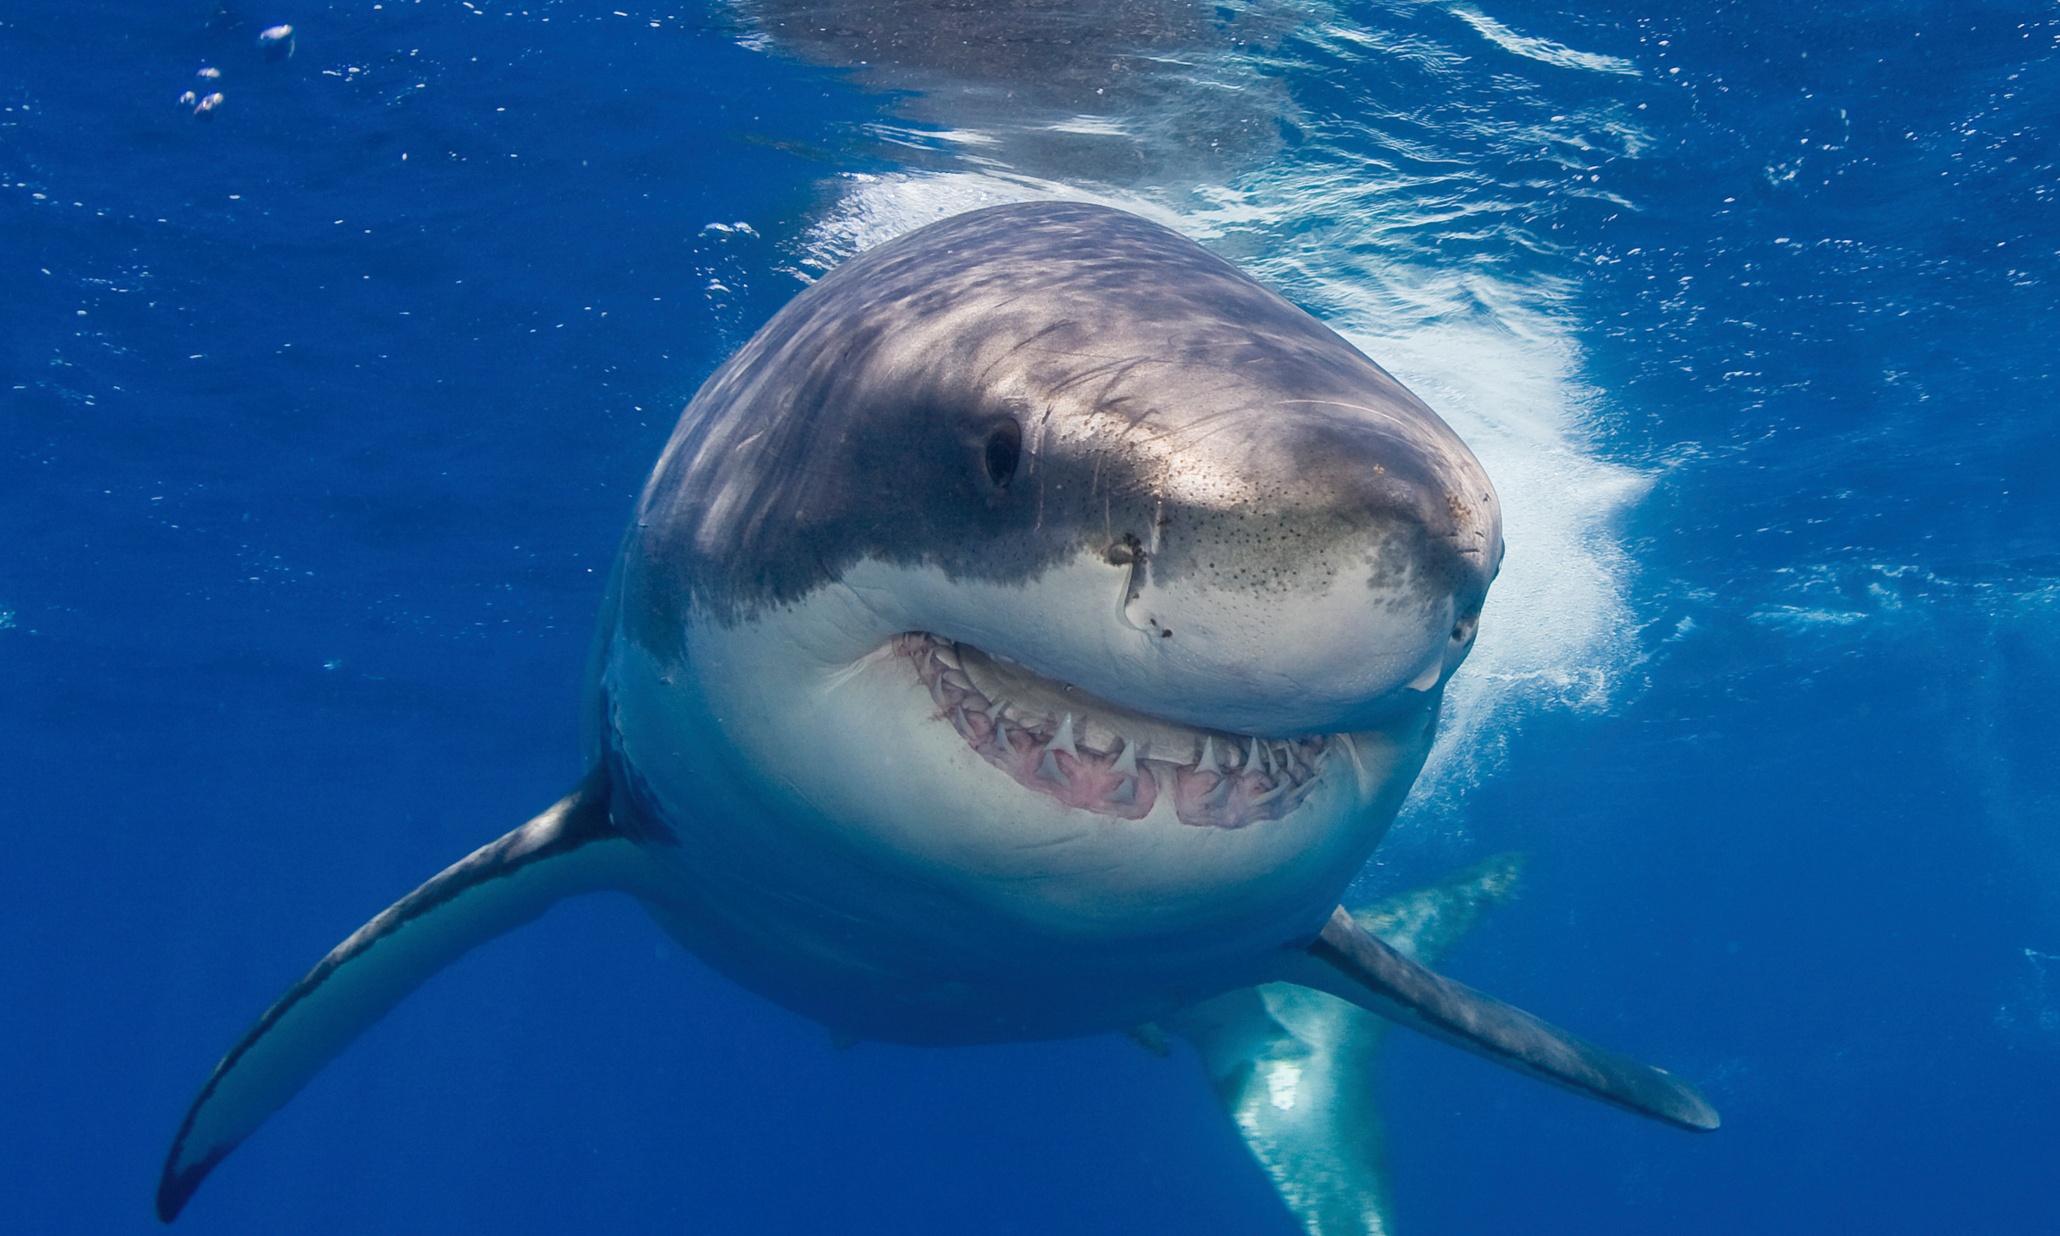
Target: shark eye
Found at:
x=1003, y=452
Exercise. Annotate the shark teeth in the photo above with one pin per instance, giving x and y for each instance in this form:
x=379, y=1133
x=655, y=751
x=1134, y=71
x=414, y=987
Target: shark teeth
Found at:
x=1260, y=800
x=1098, y=760
x=1063, y=740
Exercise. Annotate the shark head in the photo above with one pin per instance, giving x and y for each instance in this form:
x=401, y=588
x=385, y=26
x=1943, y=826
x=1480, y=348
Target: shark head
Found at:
x=1048, y=561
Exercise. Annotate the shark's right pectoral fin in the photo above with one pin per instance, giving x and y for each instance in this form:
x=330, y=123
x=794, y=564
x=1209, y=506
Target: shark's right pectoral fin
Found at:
x=571, y=848
x=1350, y=962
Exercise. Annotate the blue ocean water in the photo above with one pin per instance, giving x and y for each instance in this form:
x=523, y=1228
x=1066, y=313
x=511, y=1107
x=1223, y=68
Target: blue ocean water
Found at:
x=322, y=417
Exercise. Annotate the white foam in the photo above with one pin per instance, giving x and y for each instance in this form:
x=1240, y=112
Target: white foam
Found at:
x=1091, y=126
x=878, y=207
x=1544, y=50
x=1558, y=630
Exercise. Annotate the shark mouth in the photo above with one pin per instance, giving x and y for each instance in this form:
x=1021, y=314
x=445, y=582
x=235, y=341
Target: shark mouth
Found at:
x=1100, y=757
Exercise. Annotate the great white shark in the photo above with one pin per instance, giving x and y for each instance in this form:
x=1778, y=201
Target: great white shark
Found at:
x=1029, y=633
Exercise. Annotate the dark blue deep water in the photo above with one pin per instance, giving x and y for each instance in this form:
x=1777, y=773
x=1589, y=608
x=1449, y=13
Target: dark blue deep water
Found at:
x=319, y=422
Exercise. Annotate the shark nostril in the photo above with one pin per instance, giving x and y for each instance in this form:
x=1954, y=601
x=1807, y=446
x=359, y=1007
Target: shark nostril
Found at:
x=1126, y=551
x=1463, y=630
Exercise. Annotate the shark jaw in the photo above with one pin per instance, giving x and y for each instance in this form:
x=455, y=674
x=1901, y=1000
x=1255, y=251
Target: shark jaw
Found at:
x=1094, y=756
x=916, y=840
x=824, y=739
x=906, y=780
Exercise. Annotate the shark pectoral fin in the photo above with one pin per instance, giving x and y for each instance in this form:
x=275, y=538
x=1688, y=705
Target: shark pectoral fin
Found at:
x=1350, y=962
x=571, y=848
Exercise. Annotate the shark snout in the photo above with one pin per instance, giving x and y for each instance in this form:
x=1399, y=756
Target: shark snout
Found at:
x=1342, y=587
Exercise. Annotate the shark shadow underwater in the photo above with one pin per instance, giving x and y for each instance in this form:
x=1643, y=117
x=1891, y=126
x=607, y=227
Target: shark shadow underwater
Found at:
x=1029, y=633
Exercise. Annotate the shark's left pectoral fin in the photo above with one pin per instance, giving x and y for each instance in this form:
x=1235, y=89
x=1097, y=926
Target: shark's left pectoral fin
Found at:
x=571, y=848
x=1350, y=962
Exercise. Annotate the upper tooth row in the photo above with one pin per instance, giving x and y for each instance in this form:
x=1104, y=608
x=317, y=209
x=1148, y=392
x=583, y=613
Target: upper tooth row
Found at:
x=1216, y=755
x=1257, y=755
